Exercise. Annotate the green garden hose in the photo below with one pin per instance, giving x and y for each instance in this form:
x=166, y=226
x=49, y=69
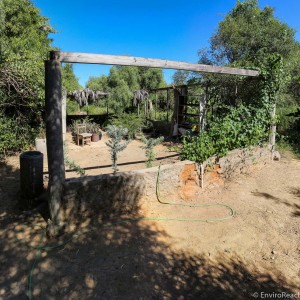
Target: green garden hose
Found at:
x=42, y=247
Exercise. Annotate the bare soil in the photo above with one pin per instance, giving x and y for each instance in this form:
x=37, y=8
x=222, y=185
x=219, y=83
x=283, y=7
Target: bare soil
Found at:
x=95, y=158
x=257, y=251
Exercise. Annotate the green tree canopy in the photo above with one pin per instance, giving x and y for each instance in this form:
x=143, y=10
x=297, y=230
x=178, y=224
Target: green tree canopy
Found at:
x=248, y=37
x=24, y=46
x=69, y=80
x=122, y=81
x=248, y=34
x=98, y=83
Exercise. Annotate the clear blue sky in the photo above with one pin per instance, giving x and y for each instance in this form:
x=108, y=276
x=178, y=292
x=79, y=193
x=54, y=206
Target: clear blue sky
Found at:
x=163, y=29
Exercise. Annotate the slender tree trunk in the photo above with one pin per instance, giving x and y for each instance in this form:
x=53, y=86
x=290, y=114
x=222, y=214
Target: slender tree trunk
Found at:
x=56, y=167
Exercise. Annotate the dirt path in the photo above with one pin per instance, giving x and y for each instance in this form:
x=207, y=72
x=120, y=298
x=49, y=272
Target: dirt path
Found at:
x=96, y=158
x=258, y=251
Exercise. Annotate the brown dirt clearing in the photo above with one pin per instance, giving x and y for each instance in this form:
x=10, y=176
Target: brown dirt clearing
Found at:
x=256, y=251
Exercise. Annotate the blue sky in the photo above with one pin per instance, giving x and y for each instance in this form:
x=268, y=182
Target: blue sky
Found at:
x=163, y=29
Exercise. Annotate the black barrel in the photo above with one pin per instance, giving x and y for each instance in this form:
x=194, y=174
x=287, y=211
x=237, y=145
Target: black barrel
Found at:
x=31, y=177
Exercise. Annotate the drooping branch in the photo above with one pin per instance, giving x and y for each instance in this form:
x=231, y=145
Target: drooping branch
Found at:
x=13, y=82
x=86, y=96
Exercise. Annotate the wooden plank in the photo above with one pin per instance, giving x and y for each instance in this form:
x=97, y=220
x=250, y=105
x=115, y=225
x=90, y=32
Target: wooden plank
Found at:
x=123, y=60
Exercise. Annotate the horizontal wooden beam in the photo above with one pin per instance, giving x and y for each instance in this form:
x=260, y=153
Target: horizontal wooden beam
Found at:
x=123, y=60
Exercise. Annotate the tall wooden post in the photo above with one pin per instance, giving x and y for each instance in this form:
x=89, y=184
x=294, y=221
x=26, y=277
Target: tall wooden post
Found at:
x=64, y=114
x=155, y=105
x=273, y=127
x=174, y=118
x=54, y=136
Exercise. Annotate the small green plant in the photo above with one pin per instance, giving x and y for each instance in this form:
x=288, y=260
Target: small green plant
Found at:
x=198, y=148
x=71, y=163
x=92, y=127
x=149, y=147
x=132, y=122
x=116, y=135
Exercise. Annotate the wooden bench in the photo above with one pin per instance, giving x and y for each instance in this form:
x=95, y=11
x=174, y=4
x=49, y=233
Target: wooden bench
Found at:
x=82, y=135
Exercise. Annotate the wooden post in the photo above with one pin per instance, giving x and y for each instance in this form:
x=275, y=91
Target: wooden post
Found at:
x=175, y=111
x=155, y=105
x=54, y=136
x=272, y=135
x=168, y=105
x=64, y=114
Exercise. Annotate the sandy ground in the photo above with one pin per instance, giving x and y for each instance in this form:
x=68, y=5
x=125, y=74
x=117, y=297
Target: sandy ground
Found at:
x=95, y=158
x=254, y=254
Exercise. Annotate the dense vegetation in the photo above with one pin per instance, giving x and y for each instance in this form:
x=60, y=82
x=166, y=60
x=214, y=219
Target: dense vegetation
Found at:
x=121, y=83
x=238, y=108
x=25, y=42
x=248, y=37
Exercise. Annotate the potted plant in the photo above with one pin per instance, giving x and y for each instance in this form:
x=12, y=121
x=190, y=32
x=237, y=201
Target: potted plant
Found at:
x=94, y=129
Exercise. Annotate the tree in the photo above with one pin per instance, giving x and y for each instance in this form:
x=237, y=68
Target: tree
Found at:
x=123, y=81
x=150, y=78
x=69, y=80
x=247, y=37
x=181, y=77
x=98, y=83
x=248, y=34
x=24, y=47
x=120, y=94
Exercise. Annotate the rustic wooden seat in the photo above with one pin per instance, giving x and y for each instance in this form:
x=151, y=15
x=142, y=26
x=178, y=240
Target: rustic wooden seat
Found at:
x=83, y=135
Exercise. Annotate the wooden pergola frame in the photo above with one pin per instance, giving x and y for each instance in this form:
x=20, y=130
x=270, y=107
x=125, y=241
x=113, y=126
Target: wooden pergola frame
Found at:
x=53, y=106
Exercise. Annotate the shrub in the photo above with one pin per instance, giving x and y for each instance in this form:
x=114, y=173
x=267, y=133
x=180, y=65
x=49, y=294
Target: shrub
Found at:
x=198, y=148
x=241, y=127
x=132, y=122
x=14, y=137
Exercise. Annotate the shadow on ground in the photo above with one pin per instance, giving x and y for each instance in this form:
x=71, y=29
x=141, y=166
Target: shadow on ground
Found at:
x=277, y=200
x=130, y=260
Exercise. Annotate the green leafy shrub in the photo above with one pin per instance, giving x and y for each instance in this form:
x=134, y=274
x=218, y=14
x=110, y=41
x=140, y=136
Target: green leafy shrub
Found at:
x=72, y=107
x=198, y=148
x=241, y=127
x=14, y=137
x=91, y=126
x=132, y=122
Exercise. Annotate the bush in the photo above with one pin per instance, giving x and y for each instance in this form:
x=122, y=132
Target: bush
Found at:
x=14, y=137
x=132, y=122
x=241, y=127
x=198, y=148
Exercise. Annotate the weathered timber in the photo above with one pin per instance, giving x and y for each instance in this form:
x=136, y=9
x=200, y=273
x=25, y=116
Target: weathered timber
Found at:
x=123, y=60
